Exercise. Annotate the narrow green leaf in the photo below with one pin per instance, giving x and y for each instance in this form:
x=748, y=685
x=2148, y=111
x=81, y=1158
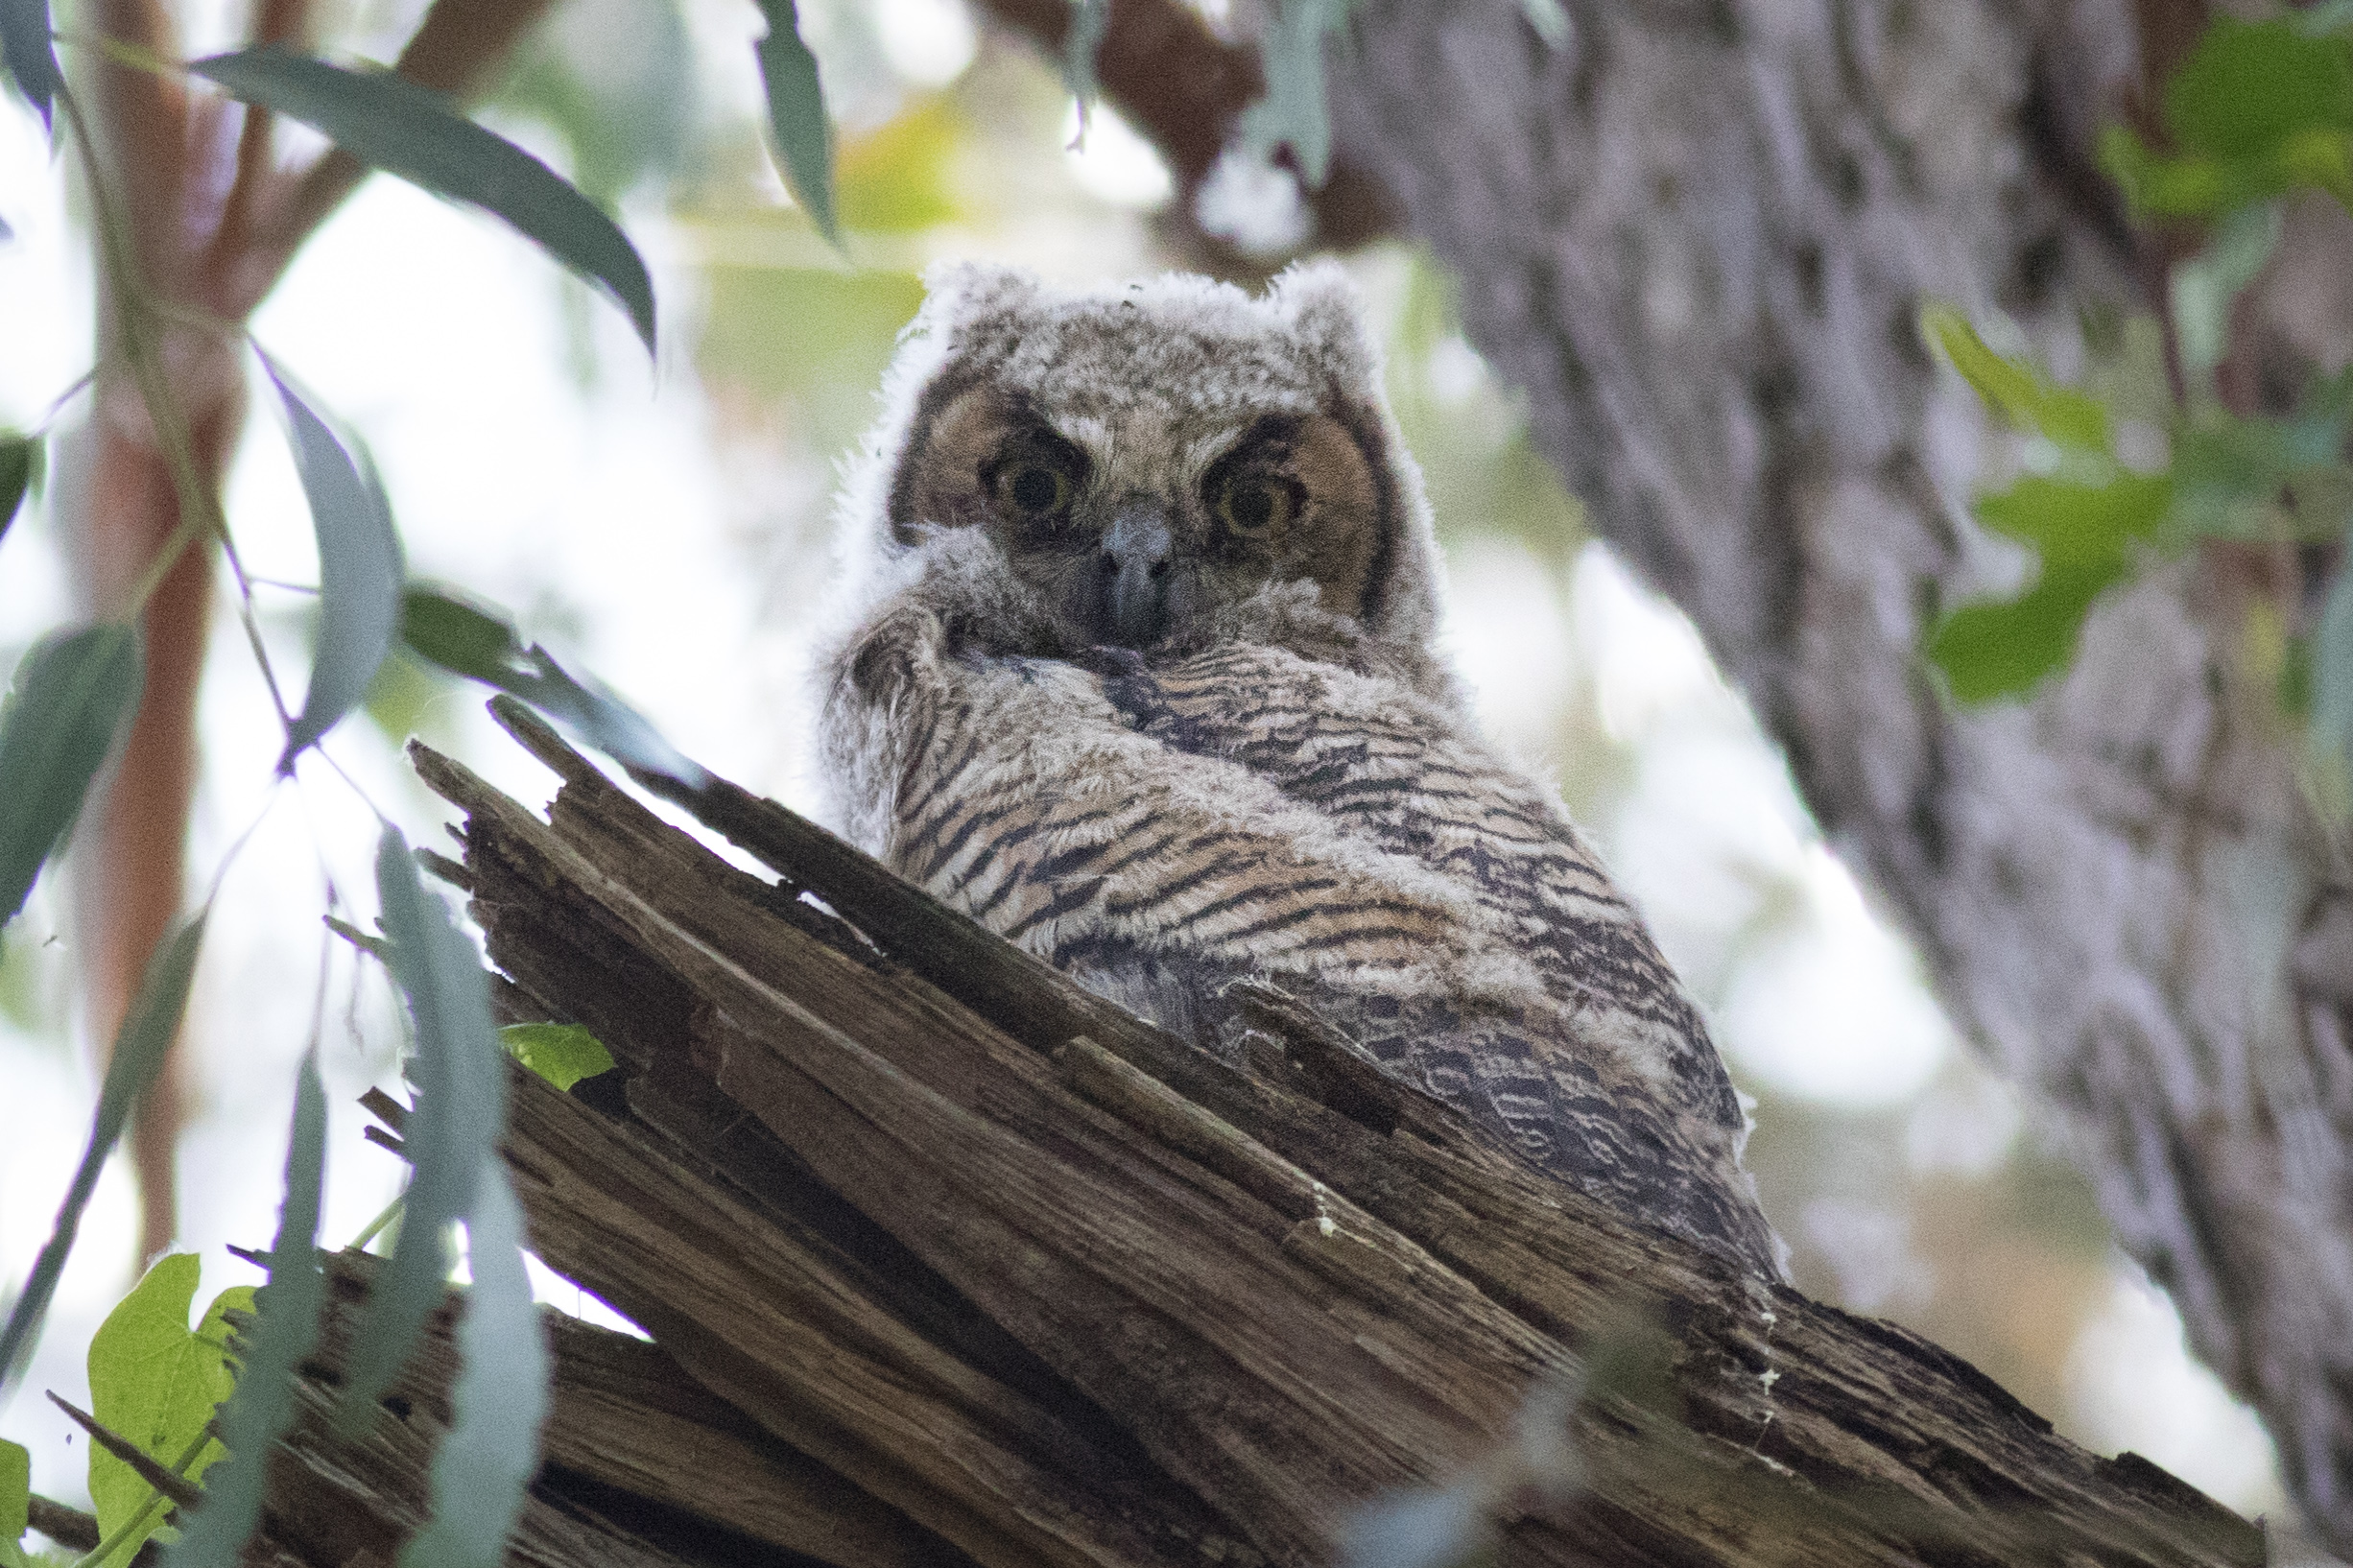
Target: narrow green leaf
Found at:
x=2075, y=524
x=1089, y=21
x=15, y=1490
x=156, y=1383
x=394, y=125
x=1988, y=651
x=1551, y=21
x=359, y=571
x=797, y=118
x=2332, y=673
x=140, y=1047
x=2016, y=388
x=562, y=1054
x=500, y=1400
x=72, y=694
x=19, y=455
x=1426, y=1527
x=288, y=1311
x=30, y=58
x=472, y=641
x=1295, y=112
x=461, y=1106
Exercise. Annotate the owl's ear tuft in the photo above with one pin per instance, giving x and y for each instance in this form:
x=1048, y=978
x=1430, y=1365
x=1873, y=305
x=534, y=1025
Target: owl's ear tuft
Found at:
x=961, y=295
x=1327, y=314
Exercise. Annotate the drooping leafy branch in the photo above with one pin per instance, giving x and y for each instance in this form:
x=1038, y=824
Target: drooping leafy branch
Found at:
x=2258, y=112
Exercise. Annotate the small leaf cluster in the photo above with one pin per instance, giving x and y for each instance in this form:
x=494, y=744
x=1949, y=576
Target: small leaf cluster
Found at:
x=2258, y=110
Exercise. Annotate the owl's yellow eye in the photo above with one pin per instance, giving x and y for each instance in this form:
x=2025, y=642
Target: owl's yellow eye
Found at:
x=1035, y=490
x=1253, y=509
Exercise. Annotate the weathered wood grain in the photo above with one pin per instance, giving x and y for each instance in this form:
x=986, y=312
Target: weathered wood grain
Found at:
x=1059, y=1288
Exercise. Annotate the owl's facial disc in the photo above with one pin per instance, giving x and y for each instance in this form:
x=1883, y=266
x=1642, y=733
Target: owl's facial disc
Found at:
x=1142, y=537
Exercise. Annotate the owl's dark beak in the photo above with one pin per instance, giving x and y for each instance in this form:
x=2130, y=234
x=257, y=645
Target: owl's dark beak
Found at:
x=1134, y=566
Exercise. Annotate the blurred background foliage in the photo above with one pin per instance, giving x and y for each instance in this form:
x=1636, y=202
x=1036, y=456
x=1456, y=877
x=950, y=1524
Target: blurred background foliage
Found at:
x=672, y=531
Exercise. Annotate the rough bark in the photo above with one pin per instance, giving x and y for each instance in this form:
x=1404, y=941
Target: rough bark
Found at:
x=1697, y=236
x=1033, y=1282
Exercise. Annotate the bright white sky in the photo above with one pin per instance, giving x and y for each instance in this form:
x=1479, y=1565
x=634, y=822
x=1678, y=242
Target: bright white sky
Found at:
x=599, y=514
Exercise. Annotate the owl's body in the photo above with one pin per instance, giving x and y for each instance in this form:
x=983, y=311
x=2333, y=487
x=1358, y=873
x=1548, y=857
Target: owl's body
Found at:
x=1143, y=680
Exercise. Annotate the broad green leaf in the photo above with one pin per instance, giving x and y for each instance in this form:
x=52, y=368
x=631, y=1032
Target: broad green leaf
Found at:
x=15, y=1490
x=2247, y=87
x=72, y=694
x=360, y=572
x=140, y=1047
x=392, y=124
x=460, y=1106
x=562, y=1054
x=1294, y=113
x=2332, y=673
x=2075, y=524
x=156, y=1383
x=2004, y=650
x=500, y=1400
x=30, y=58
x=2016, y=388
x=283, y=1336
x=18, y=456
x=471, y=641
x=797, y=120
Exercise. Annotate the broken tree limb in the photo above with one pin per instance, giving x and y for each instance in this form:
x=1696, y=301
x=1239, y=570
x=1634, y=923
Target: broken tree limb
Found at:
x=1051, y=1285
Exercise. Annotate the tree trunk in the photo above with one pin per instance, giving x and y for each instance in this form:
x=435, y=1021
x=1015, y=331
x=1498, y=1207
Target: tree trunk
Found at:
x=1697, y=235
x=949, y=1261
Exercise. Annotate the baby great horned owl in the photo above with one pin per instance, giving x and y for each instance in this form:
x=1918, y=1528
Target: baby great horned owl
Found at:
x=1142, y=678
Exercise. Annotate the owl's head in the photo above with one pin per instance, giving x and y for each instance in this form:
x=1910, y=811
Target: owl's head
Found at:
x=1149, y=457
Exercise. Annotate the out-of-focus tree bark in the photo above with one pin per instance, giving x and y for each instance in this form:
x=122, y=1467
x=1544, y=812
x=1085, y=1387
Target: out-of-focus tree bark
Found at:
x=211, y=222
x=1697, y=235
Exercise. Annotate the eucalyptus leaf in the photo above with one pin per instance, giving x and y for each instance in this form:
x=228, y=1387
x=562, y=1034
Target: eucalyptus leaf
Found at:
x=1295, y=112
x=360, y=572
x=472, y=641
x=1424, y=1528
x=18, y=456
x=30, y=58
x=139, y=1049
x=391, y=122
x=285, y=1331
x=1089, y=21
x=1994, y=651
x=73, y=692
x=796, y=116
x=1551, y=21
x=500, y=1399
x=562, y=1054
x=460, y=1106
x=156, y=1383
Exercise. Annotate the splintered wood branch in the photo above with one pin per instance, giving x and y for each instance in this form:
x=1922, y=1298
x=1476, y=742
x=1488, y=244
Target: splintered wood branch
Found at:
x=1027, y=1280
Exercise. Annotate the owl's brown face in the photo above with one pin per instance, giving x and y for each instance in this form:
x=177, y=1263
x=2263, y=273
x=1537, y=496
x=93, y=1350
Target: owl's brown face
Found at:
x=1137, y=525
